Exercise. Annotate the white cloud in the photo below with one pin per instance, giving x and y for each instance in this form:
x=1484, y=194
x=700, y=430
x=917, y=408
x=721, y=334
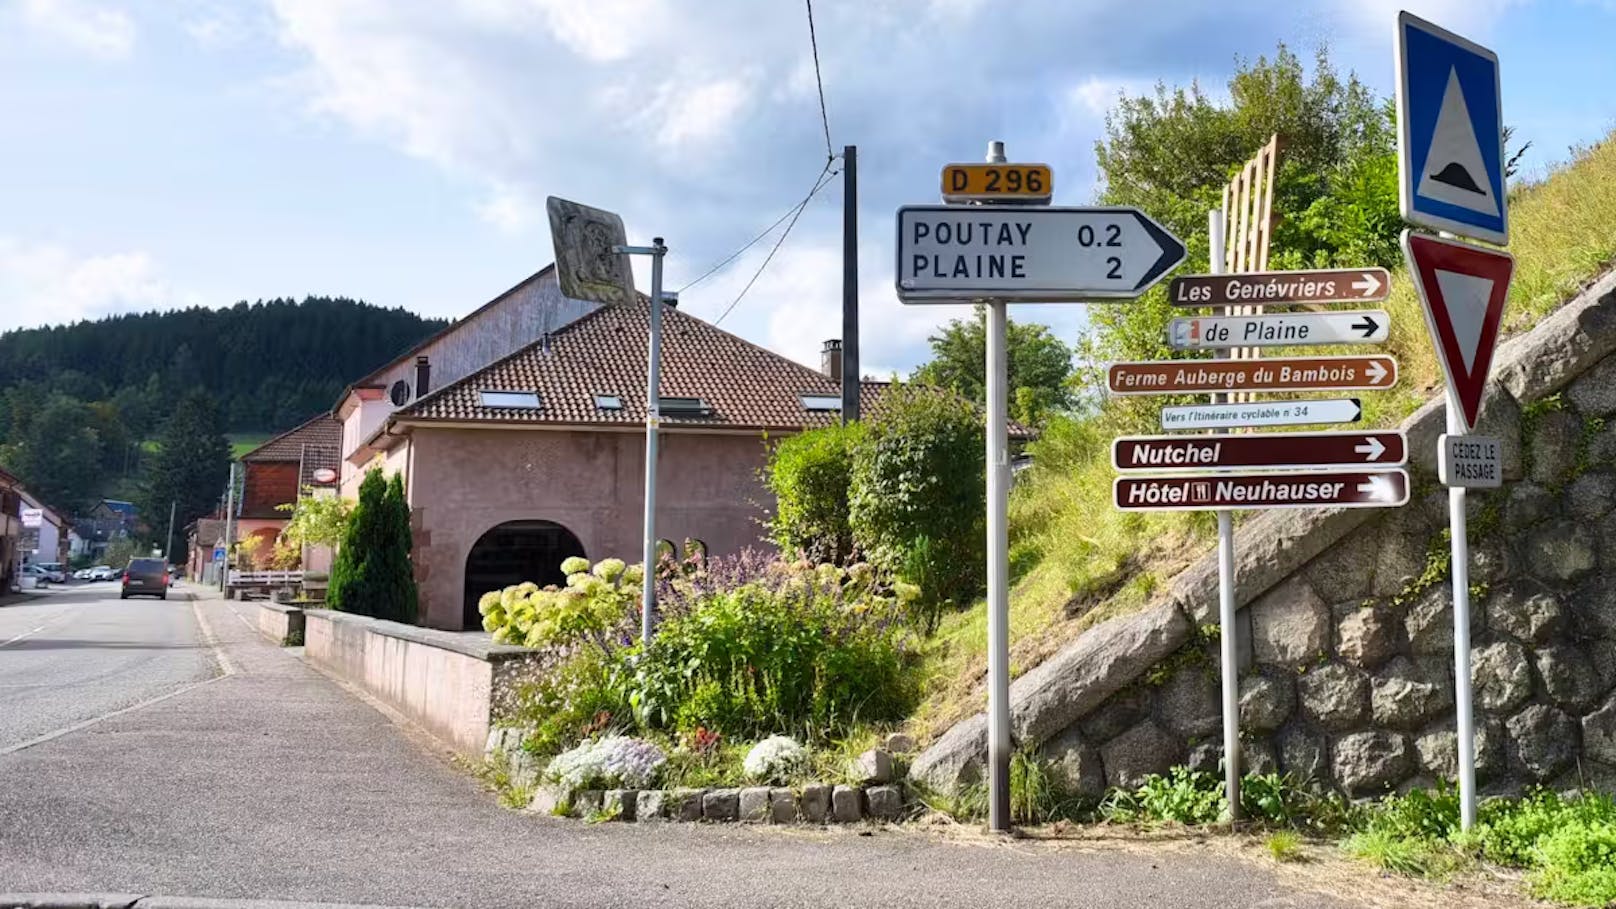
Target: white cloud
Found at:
x=699, y=120
x=216, y=30
x=99, y=31
x=42, y=283
x=1466, y=17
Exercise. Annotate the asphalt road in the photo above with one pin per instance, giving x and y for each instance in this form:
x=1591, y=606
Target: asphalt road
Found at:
x=73, y=653
x=272, y=782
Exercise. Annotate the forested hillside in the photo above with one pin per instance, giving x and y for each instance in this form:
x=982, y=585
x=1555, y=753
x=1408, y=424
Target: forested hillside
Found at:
x=268, y=364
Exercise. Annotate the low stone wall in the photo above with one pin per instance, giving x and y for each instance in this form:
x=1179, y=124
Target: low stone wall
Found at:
x=1345, y=630
x=445, y=681
x=281, y=624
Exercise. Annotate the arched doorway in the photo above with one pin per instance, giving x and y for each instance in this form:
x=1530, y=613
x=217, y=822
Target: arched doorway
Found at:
x=514, y=552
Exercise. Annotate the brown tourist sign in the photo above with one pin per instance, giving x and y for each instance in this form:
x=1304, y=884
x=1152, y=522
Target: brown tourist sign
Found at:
x=1282, y=449
x=1158, y=377
x=1277, y=288
x=1211, y=492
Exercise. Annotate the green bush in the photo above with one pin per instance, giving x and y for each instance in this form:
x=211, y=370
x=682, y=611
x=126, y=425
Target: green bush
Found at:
x=917, y=474
x=809, y=474
x=800, y=650
x=1576, y=864
x=1184, y=796
x=579, y=696
x=372, y=574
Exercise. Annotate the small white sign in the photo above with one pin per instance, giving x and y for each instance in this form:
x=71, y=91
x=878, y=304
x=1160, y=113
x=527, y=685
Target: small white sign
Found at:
x=1261, y=413
x=32, y=517
x=1360, y=326
x=1473, y=462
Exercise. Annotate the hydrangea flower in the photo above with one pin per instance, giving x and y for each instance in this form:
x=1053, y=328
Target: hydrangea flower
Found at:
x=574, y=565
x=775, y=759
x=609, y=570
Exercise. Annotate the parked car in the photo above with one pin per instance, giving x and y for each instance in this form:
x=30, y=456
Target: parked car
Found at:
x=38, y=573
x=145, y=577
x=57, y=574
x=102, y=573
x=83, y=574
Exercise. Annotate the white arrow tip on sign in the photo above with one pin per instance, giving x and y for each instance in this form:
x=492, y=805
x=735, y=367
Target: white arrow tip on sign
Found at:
x=1372, y=449
x=1369, y=284
x=1375, y=371
x=1379, y=489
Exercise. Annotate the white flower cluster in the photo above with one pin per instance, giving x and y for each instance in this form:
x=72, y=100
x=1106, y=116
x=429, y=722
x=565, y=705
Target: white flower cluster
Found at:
x=775, y=759
x=613, y=762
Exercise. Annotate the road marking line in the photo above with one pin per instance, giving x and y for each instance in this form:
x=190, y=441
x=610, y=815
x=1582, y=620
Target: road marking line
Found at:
x=46, y=624
x=226, y=668
x=106, y=716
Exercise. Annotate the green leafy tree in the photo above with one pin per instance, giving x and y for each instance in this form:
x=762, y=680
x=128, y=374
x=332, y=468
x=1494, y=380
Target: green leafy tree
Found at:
x=191, y=465
x=809, y=474
x=58, y=455
x=1172, y=151
x=372, y=574
x=1039, y=367
x=917, y=494
x=316, y=520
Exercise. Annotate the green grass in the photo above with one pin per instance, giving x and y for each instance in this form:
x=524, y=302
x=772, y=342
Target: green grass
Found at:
x=1069, y=546
x=1285, y=846
x=243, y=442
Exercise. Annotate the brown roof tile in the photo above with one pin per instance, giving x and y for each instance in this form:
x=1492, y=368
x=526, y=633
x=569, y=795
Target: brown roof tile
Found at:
x=322, y=432
x=604, y=353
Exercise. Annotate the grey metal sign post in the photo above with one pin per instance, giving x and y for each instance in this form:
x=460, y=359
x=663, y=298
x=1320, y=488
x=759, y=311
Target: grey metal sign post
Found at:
x=591, y=250
x=998, y=494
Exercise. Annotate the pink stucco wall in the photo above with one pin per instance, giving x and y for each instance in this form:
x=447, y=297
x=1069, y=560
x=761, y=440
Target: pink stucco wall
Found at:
x=466, y=481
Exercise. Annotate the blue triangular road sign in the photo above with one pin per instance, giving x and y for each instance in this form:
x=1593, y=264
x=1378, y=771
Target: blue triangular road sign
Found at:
x=1450, y=141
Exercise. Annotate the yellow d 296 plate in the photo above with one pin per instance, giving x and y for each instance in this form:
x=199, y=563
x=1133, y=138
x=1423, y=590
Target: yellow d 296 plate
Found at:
x=1002, y=182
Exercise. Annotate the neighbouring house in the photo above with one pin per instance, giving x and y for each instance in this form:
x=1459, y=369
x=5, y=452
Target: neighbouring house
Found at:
x=110, y=519
x=538, y=453
x=10, y=530
x=44, y=531
x=202, y=539
x=305, y=457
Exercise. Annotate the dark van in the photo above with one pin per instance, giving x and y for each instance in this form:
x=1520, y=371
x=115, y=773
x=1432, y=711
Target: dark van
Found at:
x=145, y=577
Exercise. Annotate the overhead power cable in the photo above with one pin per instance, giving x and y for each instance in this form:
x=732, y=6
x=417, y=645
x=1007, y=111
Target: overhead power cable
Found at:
x=752, y=242
x=820, y=182
x=824, y=118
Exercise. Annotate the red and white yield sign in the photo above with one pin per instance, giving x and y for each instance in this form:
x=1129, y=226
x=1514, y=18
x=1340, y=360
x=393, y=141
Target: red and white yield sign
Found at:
x=1463, y=288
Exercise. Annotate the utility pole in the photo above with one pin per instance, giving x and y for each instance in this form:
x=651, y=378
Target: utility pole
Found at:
x=229, y=527
x=850, y=292
x=168, y=541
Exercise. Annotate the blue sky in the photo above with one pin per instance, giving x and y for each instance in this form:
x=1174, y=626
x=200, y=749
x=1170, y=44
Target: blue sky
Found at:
x=163, y=153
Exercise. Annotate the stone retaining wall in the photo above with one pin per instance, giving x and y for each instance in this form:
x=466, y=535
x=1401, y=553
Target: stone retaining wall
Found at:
x=445, y=681
x=1345, y=630
x=281, y=624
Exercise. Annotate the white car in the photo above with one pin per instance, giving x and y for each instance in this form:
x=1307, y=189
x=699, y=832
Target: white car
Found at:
x=54, y=571
x=83, y=574
x=102, y=573
x=40, y=575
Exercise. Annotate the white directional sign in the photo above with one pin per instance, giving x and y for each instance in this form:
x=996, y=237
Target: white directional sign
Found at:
x=1474, y=462
x=1261, y=413
x=1359, y=326
x=950, y=253
x=33, y=517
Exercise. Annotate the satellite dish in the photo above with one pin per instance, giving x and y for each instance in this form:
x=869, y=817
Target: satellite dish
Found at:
x=325, y=475
x=399, y=393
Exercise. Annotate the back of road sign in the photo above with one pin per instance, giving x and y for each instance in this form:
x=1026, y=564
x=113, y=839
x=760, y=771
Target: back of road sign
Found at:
x=1462, y=289
x=1450, y=135
x=588, y=265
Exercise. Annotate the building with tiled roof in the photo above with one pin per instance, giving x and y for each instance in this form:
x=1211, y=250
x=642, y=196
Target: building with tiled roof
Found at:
x=539, y=454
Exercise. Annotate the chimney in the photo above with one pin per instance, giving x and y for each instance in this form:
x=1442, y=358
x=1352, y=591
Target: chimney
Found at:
x=830, y=359
x=423, y=376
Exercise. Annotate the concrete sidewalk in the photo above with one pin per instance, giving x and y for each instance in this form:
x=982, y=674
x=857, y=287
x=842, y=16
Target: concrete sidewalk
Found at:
x=272, y=782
